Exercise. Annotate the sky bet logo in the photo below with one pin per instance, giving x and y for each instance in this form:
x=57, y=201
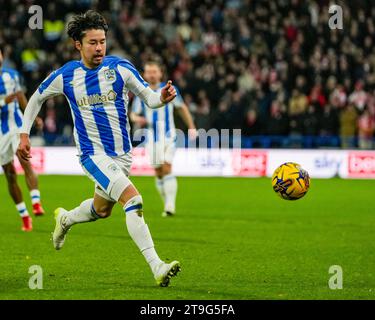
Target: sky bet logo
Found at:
x=328, y=163
x=97, y=99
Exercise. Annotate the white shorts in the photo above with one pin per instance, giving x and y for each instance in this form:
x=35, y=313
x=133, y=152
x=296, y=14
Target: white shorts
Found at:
x=8, y=147
x=110, y=174
x=161, y=152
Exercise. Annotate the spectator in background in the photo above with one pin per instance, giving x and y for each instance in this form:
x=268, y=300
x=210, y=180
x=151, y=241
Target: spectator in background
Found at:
x=53, y=28
x=278, y=123
x=297, y=108
x=329, y=122
x=221, y=119
x=311, y=122
x=202, y=114
x=338, y=97
x=358, y=97
x=366, y=129
x=236, y=111
x=261, y=49
x=251, y=126
x=297, y=103
x=7, y=61
x=348, y=126
x=189, y=101
x=317, y=97
x=301, y=84
x=31, y=55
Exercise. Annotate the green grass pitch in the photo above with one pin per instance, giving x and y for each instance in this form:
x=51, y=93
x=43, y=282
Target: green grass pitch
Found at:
x=234, y=238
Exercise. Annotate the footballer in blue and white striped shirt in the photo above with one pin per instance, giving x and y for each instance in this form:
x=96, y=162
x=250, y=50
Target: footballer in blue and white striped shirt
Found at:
x=96, y=88
x=161, y=134
x=11, y=100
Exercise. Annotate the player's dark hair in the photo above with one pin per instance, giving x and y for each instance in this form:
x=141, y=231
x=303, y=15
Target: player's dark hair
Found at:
x=86, y=21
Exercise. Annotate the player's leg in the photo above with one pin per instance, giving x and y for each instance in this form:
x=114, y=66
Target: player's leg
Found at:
x=102, y=170
x=115, y=186
x=161, y=159
x=125, y=193
x=156, y=154
x=89, y=210
x=159, y=182
x=32, y=184
x=169, y=180
x=132, y=203
x=170, y=189
x=13, y=187
x=16, y=194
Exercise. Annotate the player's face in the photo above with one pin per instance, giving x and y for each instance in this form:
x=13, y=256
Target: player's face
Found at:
x=1, y=58
x=152, y=74
x=93, y=47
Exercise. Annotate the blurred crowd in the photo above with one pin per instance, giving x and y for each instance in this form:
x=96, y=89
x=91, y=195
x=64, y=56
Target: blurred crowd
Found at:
x=267, y=67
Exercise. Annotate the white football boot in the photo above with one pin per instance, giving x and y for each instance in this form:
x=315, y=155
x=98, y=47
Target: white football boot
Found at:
x=165, y=271
x=169, y=211
x=165, y=214
x=58, y=235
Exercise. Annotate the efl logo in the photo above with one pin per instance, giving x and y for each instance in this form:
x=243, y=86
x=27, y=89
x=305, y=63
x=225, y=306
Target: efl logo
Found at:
x=361, y=165
x=37, y=161
x=249, y=163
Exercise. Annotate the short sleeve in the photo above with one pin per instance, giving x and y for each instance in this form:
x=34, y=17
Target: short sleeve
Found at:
x=51, y=86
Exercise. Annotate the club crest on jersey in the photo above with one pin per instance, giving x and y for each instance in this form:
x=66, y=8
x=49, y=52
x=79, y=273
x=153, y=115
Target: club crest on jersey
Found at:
x=110, y=75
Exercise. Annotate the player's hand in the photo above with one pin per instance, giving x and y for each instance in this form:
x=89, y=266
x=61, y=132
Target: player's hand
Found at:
x=192, y=133
x=10, y=98
x=168, y=93
x=39, y=124
x=23, y=150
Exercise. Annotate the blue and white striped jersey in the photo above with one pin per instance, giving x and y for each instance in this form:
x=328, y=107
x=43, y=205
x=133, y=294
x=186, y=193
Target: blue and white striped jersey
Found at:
x=160, y=122
x=10, y=114
x=98, y=99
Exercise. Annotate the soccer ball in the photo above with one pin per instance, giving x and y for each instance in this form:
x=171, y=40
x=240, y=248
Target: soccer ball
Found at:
x=290, y=181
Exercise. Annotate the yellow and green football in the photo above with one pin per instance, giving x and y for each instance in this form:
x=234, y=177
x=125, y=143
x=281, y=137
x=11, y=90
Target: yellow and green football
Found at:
x=290, y=181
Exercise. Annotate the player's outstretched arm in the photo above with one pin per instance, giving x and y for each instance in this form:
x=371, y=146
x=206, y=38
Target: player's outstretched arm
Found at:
x=155, y=100
x=135, y=83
